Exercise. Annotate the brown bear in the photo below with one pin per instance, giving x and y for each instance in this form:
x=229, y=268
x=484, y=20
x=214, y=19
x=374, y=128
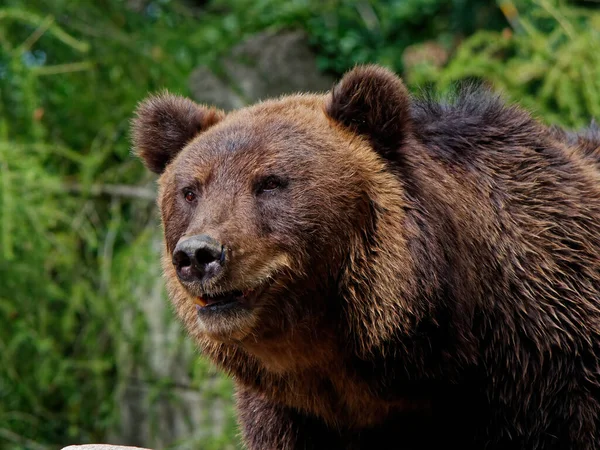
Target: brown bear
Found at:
x=376, y=270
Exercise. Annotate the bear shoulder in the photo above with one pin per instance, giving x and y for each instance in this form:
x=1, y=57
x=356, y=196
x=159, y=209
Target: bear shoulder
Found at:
x=471, y=119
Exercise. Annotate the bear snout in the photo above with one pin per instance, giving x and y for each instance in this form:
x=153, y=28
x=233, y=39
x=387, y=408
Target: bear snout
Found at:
x=199, y=258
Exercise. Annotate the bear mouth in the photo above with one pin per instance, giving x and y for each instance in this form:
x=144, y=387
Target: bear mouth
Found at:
x=210, y=301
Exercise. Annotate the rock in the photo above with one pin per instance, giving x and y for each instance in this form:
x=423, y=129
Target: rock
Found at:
x=209, y=89
x=266, y=65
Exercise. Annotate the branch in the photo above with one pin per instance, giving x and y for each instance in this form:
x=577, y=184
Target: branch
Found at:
x=114, y=190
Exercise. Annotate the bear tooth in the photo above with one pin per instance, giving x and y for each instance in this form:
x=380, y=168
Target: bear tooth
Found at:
x=200, y=301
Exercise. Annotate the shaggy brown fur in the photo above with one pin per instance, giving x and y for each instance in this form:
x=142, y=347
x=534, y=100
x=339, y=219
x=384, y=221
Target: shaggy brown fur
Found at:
x=427, y=274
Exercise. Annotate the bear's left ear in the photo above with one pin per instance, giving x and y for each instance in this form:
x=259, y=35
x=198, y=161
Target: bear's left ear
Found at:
x=164, y=124
x=373, y=102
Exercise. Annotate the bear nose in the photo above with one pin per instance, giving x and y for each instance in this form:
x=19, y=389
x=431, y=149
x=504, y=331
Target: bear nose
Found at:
x=198, y=258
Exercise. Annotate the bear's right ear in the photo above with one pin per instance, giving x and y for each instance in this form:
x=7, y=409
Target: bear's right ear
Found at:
x=373, y=102
x=164, y=124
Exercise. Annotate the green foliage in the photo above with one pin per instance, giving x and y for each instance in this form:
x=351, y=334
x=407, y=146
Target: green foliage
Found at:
x=71, y=255
x=77, y=222
x=352, y=32
x=43, y=299
x=549, y=62
x=349, y=32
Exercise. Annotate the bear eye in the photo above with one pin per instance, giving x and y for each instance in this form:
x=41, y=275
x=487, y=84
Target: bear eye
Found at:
x=269, y=184
x=189, y=195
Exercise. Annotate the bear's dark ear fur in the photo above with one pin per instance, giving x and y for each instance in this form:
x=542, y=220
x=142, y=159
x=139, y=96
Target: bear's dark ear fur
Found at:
x=164, y=124
x=373, y=102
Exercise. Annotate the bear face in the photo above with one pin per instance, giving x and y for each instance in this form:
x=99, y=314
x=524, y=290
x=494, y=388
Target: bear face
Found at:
x=281, y=189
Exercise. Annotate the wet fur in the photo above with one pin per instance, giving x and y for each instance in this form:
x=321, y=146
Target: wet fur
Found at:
x=458, y=304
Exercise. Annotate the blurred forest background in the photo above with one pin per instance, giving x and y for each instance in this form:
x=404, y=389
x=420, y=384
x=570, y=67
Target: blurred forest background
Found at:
x=89, y=349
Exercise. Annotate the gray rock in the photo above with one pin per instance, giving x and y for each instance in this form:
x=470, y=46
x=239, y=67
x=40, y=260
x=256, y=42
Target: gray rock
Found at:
x=209, y=89
x=268, y=64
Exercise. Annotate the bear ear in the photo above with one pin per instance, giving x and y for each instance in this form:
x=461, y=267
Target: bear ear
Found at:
x=164, y=124
x=373, y=102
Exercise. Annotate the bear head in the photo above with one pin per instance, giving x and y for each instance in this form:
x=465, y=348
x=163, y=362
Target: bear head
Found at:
x=271, y=213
